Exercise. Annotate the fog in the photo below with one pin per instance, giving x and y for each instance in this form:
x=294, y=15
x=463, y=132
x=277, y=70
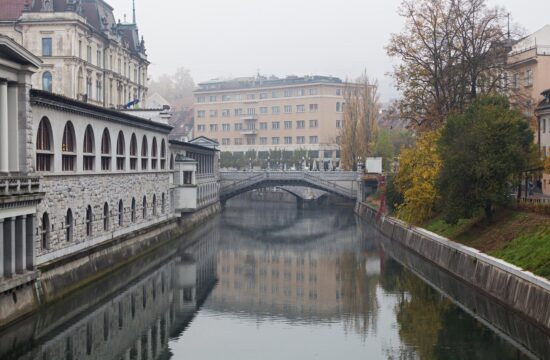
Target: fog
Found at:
x=230, y=38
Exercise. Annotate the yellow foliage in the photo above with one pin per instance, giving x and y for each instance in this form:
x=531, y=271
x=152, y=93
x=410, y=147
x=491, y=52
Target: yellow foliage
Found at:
x=416, y=179
x=547, y=165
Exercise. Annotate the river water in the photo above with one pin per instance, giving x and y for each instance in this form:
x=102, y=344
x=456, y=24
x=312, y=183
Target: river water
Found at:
x=265, y=280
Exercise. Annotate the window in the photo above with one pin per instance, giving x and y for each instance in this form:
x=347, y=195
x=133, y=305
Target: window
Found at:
x=288, y=140
x=154, y=205
x=226, y=141
x=338, y=92
x=171, y=161
x=313, y=91
x=226, y=113
x=144, y=207
x=47, y=81
x=288, y=124
x=68, y=148
x=45, y=231
x=154, y=154
x=44, y=153
x=300, y=139
x=275, y=125
x=288, y=93
x=338, y=108
x=120, y=213
x=144, y=153
x=250, y=141
x=238, y=112
x=80, y=49
x=275, y=140
x=238, y=141
x=515, y=81
x=89, y=54
x=106, y=150
x=201, y=99
x=47, y=46
x=313, y=139
x=213, y=127
x=275, y=109
x=238, y=127
x=226, y=98
x=213, y=98
x=263, y=141
x=313, y=107
x=89, y=221
x=300, y=124
x=300, y=92
x=543, y=125
x=201, y=114
x=163, y=204
x=251, y=111
x=250, y=126
x=263, y=110
x=69, y=226
x=213, y=113
x=105, y=217
x=529, y=77
x=226, y=127
x=313, y=123
x=300, y=108
x=88, y=149
x=201, y=128
x=98, y=55
x=133, y=152
x=288, y=109
x=133, y=211
x=99, y=90
x=120, y=154
x=188, y=177
x=263, y=126
x=263, y=95
x=162, y=155
x=338, y=124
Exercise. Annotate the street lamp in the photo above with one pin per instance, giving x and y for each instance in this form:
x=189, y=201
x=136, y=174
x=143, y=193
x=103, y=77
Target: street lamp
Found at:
x=268, y=162
x=250, y=163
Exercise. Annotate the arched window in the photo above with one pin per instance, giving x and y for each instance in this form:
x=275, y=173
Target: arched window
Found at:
x=47, y=81
x=120, y=151
x=89, y=221
x=69, y=226
x=89, y=153
x=44, y=152
x=154, y=205
x=133, y=152
x=45, y=231
x=68, y=148
x=106, y=217
x=144, y=153
x=106, y=150
x=133, y=211
x=120, y=213
x=163, y=155
x=171, y=161
x=144, y=207
x=154, y=154
x=163, y=203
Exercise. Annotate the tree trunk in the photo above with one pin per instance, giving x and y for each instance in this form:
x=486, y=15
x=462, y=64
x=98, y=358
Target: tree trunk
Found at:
x=489, y=211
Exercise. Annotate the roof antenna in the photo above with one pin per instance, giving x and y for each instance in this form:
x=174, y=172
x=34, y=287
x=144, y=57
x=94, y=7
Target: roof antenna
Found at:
x=134, y=11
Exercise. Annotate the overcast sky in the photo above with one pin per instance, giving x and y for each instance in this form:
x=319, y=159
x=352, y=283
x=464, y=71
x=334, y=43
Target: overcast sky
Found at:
x=230, y=38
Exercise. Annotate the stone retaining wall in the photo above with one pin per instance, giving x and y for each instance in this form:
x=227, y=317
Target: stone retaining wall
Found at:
x=519, y=290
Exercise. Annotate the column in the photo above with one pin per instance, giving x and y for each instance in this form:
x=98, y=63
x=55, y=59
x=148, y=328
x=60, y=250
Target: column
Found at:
x=149, y=343
x=13, y=127
x=9, y=247
x=4, y=137
x=138, y=348
x=158, y=339
x=30, y=243
x=1, y=248
x=21, y=244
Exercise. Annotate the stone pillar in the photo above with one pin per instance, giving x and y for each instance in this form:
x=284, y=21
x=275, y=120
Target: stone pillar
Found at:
x=9, y=247
x=4, y=129
x=21, y=244
x=13, y=127
x=158, y=339
x=30, y=242
x=138, y=348
x=1, y=248
x=149, y=343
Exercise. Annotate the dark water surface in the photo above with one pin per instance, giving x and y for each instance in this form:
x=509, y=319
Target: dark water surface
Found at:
x=265, y=280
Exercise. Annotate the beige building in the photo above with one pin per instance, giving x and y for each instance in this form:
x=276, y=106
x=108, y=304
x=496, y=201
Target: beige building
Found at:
x=86, y=54
x=259, y=113
x=543, y=135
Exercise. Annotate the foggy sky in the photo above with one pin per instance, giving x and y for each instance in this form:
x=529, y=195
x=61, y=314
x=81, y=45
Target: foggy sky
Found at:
x=230, y=38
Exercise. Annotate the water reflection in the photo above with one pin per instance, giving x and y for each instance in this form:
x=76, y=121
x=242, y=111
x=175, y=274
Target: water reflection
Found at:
x=266, y=280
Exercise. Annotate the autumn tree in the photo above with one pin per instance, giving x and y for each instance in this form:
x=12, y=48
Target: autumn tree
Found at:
x=360, y=114
x=177, y=88
x=484, y=152
x=449, y=52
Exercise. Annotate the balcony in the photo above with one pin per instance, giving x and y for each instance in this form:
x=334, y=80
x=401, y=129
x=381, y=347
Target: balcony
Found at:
x=249, y=117
x=19, y=185
x=249, y=132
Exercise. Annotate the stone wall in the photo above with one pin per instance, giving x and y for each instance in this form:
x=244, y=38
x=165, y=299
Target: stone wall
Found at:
x=521, y=291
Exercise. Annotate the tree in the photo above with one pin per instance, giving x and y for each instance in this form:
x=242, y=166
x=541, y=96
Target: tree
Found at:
x=450, y=51
x=383, y=147
x=359, y=129
x=177, y=88
x=483, y=152
x=417, y=179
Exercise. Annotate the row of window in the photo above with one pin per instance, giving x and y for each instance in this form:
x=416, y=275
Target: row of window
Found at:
x=263, y=95
x=201, y=114
x=45, y=150
x=275, y=125
x=527, y=79
x=106, y=218
x=287, y=140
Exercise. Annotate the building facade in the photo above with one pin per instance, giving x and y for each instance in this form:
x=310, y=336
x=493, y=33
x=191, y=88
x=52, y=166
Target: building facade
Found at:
x=86, y=54
x=263, y=114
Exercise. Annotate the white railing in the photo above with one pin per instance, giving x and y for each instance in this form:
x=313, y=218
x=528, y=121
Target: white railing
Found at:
x=19, y=185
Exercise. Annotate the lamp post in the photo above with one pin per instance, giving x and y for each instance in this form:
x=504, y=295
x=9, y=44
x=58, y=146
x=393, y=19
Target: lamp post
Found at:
x=268, y=162
x=250, y=163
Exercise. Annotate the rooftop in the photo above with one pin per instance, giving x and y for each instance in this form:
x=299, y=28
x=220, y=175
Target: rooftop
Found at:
x=264, y=82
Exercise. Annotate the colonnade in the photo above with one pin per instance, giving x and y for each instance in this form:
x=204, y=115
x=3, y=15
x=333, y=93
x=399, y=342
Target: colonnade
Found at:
x=17, y=245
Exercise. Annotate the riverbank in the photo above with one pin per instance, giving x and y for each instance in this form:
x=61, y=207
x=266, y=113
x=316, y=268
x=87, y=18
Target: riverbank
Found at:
x=518, y=237
x=515, y=288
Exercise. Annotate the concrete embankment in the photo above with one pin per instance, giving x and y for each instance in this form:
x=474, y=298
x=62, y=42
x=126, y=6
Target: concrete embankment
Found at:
x=518, y=290
x=56, y=279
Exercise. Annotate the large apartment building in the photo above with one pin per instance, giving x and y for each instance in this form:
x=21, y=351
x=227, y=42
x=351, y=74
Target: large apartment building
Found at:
x=263, y=114
x=86, y=54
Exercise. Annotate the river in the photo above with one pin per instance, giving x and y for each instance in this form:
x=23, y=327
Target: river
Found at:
x=265, y=280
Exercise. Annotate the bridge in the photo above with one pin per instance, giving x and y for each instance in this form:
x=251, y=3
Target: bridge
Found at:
x=341, y=183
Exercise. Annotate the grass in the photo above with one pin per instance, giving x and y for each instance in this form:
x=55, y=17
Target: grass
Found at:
x=520, y=238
